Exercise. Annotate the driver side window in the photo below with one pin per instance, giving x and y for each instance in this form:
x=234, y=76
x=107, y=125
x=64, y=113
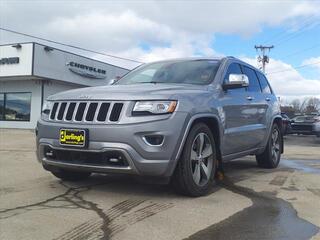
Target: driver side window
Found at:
x=234, y=68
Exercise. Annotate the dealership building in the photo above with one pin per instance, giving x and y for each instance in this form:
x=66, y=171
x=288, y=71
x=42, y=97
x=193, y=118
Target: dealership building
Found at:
x=30, y=72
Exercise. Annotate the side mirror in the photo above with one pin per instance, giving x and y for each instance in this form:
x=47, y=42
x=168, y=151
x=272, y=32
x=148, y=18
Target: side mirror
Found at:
x=113, y=81
x=236, y=81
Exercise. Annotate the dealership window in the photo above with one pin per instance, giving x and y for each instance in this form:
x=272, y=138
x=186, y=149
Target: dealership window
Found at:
x=15, y=106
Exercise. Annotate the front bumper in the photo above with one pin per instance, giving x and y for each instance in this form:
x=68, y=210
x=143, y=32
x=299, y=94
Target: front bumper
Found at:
x=123, y=139
x=307, y=129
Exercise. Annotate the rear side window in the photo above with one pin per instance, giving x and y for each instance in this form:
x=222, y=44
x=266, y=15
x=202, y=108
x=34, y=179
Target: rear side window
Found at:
x=234, y=68
x=254, y=85
x=264, y=83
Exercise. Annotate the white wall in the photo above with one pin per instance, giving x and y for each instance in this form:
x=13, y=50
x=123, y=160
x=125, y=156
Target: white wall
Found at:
x=24, y=67
x=32, y=86
x=52, y=87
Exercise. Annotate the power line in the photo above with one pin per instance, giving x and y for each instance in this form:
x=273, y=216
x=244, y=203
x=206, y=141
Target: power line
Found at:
x=302, y=50
x=297, y=67
x=66, y=45
x=296, y=34
x=282, y=35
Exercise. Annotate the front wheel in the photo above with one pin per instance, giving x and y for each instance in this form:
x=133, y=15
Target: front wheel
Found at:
x=194, y=174
x=270, y=157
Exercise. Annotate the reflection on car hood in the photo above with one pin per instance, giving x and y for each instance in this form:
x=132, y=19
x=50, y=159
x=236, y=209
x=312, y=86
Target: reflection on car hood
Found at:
x=130, y=92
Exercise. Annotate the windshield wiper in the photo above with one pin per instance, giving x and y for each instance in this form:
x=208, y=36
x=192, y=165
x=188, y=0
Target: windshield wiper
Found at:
x=155, y=82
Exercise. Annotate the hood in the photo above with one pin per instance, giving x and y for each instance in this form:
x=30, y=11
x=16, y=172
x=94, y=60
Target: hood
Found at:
x=147, y=91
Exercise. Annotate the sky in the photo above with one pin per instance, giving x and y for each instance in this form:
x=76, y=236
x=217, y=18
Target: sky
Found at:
x=153, y=30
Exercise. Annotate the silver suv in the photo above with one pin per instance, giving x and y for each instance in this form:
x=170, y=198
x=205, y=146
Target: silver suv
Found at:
x=176, y=119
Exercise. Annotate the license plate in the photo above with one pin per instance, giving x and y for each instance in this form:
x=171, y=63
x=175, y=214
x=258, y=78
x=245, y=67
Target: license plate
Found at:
x=73, y=137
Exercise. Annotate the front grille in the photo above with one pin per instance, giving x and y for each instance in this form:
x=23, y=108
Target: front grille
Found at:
x=93, y=111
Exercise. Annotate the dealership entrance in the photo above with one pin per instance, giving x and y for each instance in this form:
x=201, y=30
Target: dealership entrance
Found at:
x=30, y=72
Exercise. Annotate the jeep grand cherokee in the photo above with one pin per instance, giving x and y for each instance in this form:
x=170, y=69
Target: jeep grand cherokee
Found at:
x=176, y=119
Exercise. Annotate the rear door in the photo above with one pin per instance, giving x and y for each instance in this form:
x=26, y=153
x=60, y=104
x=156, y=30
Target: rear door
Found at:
x=257, y=112
x=268, y=97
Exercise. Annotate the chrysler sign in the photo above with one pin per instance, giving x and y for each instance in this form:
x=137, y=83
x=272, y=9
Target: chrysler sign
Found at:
x=86, y=71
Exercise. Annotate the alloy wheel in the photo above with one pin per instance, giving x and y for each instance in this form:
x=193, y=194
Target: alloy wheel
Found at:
x=201, y=159
x=275, y=145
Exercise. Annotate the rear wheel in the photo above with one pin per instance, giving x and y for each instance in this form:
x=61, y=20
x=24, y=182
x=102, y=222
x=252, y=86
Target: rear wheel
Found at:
x=69, y=175
x=270, y=158
x=194, y=174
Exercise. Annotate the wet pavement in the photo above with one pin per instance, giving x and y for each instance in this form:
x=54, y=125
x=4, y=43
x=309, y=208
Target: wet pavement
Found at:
x=307, y=166
x=268, y=217
x=249, y=203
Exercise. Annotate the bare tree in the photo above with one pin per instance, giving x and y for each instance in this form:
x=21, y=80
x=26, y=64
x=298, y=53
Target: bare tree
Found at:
x=306, y=106
x=312, y=106
x=296, y=105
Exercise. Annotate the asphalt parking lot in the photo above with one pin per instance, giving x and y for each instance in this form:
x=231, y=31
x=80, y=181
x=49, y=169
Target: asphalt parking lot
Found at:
x=249, y=203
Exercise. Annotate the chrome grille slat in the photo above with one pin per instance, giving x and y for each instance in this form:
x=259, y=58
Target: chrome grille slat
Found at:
x=103, y=112
x=70, y=111
x=109, y=111
x=97, y=112
x=75, y=111
x=92, y=115
x=80, y=112
x=65, y=111
x=62, y=109
x=58, y=109
x=53, y=112
x=85, y=112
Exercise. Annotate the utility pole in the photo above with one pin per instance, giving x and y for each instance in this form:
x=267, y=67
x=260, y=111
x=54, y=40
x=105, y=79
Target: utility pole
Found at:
x=263, y=58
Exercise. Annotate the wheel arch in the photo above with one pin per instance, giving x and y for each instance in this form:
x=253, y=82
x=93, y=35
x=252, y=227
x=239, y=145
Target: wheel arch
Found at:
x=212, y=121
x=278, y=120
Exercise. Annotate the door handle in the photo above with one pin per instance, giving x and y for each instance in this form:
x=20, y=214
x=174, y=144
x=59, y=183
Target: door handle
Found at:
x=250, y=98
x=268, y=99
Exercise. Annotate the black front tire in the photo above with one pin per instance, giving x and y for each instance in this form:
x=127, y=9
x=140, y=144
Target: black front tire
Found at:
x=69, y=175
x=270, y=157
x=183, y=178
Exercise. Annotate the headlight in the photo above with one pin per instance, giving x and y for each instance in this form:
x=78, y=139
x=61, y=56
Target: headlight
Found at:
x=47, y=106
x=154, y=107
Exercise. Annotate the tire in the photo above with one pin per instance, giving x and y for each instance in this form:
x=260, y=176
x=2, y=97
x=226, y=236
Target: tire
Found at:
x=194, y=174
x=270, y=157
x=69, y=175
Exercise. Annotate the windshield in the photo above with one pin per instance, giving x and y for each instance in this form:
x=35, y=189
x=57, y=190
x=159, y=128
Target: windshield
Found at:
x=198, y=72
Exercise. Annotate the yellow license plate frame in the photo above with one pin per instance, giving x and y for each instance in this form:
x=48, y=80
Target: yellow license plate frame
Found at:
x=73, y=137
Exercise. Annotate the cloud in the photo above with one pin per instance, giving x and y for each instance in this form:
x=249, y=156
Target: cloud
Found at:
x=154, y=30
x=119, y=26
x=314, y=63
x=286, y=81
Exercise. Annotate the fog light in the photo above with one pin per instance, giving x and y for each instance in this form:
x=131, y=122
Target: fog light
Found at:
x=49, y=153
x=114, y=160
x=153, y=140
